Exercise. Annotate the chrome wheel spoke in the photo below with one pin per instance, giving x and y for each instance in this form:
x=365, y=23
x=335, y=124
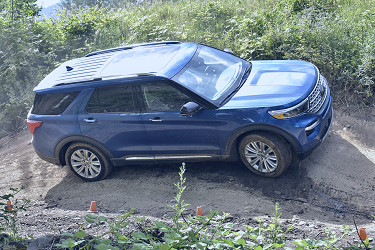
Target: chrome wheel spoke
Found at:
x=92, y=172
x=267, y=166
x=268, y=151
x=86, y=172
x=272, y=164
x=262, y=147
x=75, y=157
x=251, y=149
x=76, y=164
x=80, y=170
x=272, y=158
x=92, y=157
x=86, y=153
x=255, y=146
x=261, y=165
x=95, y=168
x=250, y=155
x=254, y=162
x=79, y=154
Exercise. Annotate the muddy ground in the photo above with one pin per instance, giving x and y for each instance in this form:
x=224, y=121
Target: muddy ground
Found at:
x=328, y=189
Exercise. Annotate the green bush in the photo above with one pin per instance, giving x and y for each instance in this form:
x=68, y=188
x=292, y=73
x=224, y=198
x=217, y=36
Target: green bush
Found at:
x=337, y=36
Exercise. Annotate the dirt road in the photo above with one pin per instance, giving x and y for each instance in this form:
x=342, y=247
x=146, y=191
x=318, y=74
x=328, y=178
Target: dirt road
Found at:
x=332, y=185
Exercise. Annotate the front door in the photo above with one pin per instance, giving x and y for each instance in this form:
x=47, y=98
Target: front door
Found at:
x=171, y=135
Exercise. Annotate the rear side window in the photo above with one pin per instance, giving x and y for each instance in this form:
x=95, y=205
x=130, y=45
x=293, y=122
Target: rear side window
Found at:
x=112, y=99
x=52, y=104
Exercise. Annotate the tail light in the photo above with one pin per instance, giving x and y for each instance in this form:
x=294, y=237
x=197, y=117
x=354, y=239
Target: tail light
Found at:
x=33, y=125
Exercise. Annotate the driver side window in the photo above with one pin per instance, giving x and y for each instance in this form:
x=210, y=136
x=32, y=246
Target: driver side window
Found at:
x=161, y=97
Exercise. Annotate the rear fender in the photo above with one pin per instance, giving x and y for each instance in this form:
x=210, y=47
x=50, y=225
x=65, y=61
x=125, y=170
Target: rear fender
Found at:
x=64, y=144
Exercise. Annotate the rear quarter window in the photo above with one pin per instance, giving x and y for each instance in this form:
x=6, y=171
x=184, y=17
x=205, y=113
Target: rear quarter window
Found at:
x=52, y=104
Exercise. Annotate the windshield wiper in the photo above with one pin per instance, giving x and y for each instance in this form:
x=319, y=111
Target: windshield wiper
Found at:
x=243, y=80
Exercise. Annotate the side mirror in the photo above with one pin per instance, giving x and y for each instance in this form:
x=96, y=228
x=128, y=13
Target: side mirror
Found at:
x=189, y=109
x=228, y=51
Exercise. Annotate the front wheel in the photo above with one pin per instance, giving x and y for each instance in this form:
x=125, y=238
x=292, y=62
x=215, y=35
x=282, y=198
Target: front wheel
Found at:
x=87, y=162
x=265, y=154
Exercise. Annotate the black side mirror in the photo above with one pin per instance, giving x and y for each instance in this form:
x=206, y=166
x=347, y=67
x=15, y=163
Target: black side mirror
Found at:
x=189, y=109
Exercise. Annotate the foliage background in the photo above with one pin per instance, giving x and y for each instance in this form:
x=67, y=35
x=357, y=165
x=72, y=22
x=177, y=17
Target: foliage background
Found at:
x=336, y=35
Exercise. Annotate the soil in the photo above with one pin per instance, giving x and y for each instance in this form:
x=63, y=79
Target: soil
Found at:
x=326, y=190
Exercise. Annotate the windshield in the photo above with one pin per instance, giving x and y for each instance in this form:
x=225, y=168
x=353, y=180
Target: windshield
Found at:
x=210, y=72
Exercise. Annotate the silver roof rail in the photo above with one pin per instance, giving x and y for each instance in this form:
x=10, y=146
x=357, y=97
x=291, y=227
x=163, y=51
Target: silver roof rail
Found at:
x=130, y=47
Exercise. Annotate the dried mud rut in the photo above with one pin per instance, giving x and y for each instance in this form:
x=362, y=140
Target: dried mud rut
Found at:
x=328, y=189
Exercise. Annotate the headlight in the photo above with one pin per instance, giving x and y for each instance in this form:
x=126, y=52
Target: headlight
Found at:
x=296, y=110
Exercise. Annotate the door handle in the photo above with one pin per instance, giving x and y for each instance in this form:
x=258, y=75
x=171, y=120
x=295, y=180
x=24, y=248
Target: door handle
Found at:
x=156, y=119
x=90, y=120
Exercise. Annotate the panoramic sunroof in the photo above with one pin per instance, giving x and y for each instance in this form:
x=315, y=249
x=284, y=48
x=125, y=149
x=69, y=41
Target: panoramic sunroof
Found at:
x=141, y=60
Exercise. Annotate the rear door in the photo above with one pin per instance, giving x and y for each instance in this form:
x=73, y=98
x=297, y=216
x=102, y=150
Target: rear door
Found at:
x=112, y=117
x=170, y=135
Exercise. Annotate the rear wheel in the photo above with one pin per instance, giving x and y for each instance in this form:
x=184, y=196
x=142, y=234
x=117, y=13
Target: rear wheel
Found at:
x=87, y=162
x=265, y=154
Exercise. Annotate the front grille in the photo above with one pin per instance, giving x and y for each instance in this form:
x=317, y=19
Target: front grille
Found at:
x=318, y=95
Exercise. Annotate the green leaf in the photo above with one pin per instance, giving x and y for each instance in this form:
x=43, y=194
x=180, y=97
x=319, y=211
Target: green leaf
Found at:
x=163, y=247
x=67, y=234
x=69, y=243
x=139, y=246
x=103, y=246
x=230, y=243
x=89, y=220
x=192, y=236
x=241, y=241
x=102, y=218
x=140, y=236
x=91, y=216
x=160, y=225
x=80, y=234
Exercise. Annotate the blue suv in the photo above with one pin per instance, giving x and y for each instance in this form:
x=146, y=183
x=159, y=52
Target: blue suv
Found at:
x=173, y=101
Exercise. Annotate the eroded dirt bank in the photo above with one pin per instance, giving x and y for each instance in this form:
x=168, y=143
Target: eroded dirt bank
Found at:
x=331, y=186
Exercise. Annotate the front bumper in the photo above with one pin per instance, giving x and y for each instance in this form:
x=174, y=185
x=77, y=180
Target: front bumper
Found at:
x=321, y=133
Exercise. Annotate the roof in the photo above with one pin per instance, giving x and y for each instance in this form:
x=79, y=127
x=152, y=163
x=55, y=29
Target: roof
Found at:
x=160, y=58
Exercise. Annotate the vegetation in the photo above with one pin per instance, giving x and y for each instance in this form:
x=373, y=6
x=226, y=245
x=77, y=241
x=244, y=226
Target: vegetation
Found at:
x=183, y=231
x=9, y=217
x=337, y=36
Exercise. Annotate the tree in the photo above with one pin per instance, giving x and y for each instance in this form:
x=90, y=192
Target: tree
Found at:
x=74, y=4
x=18, y=9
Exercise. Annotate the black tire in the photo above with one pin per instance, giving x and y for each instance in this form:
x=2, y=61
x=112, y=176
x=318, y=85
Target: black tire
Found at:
x=265, y=154
x=87, y=162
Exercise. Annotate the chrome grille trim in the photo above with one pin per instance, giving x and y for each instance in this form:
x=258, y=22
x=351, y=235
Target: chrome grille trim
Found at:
x=318, y=95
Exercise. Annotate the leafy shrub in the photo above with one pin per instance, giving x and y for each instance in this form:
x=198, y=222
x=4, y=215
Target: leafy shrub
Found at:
x=9, y=209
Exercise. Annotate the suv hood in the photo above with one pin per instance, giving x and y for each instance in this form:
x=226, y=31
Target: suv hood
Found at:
x=275, y=83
